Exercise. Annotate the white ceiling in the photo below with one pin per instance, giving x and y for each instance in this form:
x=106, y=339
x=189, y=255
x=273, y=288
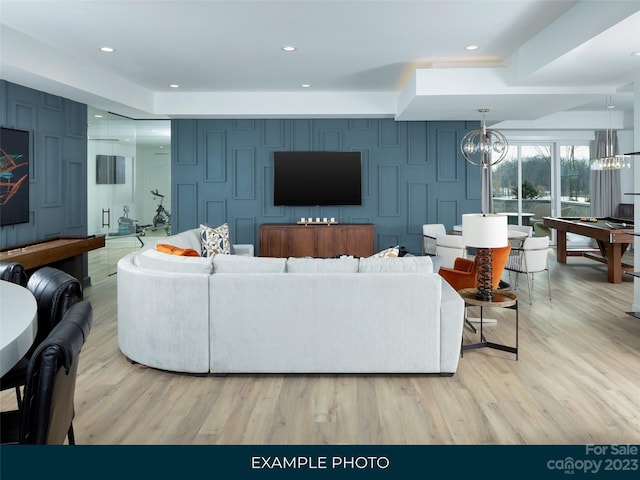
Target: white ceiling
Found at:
x=399, y=59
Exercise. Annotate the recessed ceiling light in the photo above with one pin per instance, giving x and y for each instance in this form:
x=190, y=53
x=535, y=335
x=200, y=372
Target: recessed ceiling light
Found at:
x=306, y=85
x=174, y=85
x=97, y=115
x=472, y=47
x=108, y=49
x=636, y=54
x=289, y=48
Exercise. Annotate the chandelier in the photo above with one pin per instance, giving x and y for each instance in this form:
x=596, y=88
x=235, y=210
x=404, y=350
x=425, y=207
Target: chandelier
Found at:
x=610, y=160
x=484, y=147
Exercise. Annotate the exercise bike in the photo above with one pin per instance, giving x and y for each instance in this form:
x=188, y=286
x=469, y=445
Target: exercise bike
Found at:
x=162, y=218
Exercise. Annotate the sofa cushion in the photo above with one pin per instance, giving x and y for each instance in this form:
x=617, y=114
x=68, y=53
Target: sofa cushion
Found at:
x=165, y=262
x=173, y=250
x=322, y=265
x=396, y=265
x=243, y=264
x=215, y=240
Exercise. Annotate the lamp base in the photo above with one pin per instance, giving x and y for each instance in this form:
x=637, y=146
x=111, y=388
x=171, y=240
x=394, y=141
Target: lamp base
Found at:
x=484, y=275
x=485, y=296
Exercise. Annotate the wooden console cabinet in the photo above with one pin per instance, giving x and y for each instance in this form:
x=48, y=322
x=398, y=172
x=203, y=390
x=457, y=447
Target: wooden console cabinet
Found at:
x=320, y=240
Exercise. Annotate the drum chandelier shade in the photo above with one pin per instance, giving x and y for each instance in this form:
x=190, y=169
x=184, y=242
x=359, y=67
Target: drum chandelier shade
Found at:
x=484, y=147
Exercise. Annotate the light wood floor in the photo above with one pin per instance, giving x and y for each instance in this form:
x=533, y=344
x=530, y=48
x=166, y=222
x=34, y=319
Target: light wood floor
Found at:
x=577, y=381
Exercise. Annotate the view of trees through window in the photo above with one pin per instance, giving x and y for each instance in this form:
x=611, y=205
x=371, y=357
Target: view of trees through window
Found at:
x=522, y=183
x=575, y=174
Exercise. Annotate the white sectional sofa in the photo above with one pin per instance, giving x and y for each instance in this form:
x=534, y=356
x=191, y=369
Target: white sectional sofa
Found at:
x=243, y=314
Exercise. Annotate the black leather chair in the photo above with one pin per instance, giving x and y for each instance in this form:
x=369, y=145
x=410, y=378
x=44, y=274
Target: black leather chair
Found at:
x=46, y=415
x=55, y=292
x=13, y=272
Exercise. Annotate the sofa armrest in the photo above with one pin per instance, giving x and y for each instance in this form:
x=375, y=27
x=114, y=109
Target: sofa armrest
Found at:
x=243, y=249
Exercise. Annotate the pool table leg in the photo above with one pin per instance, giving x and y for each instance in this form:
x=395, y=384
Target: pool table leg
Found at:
x=561, y=246
x=614, y=261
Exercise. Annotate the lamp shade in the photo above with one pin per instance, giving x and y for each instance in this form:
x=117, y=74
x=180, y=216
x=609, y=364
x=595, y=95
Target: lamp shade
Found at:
x=481, y=230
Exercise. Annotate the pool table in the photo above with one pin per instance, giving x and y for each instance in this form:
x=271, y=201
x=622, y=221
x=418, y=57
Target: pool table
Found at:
x=613, y=236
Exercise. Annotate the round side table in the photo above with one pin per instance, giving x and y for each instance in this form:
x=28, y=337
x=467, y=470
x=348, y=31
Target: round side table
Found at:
x=501, y=299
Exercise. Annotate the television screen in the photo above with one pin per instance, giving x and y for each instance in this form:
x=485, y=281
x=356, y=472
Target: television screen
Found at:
x=109, y=169
x=14, y=176
x=317, y=178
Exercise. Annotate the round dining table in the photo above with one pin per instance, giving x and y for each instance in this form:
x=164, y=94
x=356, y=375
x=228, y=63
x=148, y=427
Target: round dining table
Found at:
x=18, y=323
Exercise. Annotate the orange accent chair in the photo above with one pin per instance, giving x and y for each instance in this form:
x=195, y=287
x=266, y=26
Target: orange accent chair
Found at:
x=464, y=271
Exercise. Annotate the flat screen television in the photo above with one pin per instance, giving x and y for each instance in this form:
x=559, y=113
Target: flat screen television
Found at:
x=110, y=169
x=317, y=178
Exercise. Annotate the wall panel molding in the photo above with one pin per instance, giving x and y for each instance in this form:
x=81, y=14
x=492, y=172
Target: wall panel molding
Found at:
x=446, y=154
x=449, y=212
x=51, y=102
x=244, y=229
x=330, y=140
x=76, y=173
x=417, y=207
x=389, y=191
x=184, y=138
x=360, y=124
x=244, y=174
x=185, y=206
x=215, y=212
x=214, y=155
x=273, y=133
x=389, y=133
x=51, y=166
x=246, y=124
x=268, y=208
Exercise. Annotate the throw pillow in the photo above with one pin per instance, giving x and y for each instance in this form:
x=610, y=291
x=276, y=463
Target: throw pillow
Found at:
x=215, y=240
x=388, y=252
x=154, y=260
x=173, y=250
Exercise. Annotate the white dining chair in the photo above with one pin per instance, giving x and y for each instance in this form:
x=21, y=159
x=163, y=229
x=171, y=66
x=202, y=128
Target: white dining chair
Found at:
x=429, y=233
x=532, y=257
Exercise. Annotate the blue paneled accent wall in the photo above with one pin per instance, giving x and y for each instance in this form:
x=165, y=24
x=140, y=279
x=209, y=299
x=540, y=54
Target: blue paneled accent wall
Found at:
x=413, y=173
x=58, y=168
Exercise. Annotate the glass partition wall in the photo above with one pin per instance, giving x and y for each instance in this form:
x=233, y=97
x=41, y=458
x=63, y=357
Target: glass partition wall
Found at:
x=129, y=182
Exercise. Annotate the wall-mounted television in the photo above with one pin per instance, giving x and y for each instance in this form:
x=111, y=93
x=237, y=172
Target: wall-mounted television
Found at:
x=109, y=169
x=317, y=178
